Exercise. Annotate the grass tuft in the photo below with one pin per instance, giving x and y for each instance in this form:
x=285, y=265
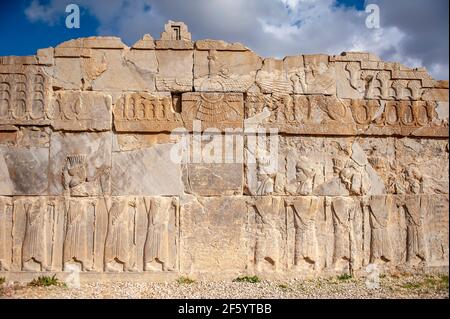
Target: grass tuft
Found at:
x=185, y=280
x=46, y=281
x=250, y=279
x=344, y=277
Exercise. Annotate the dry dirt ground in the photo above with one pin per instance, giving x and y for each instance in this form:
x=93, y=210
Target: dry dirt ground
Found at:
x=399, y=286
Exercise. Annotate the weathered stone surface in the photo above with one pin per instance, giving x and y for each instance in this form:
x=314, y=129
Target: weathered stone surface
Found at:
x=114, y=234
x=24, y=95
x=175, y=70
x=146, y=171
x=175, y=157
x=133, y=70
x=94, y=43
x=80, y=111
x=24, y=170
x=80, y=164
x=212, y=110
x=225, y=71
x=146, y=43
x=142, y=112
x=213, y=179
x=216, y=227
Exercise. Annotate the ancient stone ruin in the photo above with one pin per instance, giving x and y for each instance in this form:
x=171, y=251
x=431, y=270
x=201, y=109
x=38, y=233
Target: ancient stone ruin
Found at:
x=178, y=157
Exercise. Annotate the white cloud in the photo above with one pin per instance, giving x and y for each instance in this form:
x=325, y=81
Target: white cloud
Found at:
x=411, y=30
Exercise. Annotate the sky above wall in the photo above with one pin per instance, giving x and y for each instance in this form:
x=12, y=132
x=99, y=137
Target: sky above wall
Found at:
x=413, y=32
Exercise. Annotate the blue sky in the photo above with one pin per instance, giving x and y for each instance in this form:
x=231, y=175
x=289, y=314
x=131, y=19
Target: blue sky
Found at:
x=414, y=32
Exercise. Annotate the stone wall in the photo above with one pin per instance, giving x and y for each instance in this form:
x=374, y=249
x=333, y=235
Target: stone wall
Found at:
x=336, y=162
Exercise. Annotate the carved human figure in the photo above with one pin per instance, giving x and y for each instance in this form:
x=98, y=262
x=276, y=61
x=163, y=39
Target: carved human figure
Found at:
x=305, y=245
x=342, y=212
x=380, y=244
x=267, y=236
x=265, y=179
x=76, y=236
x=305, y=173
x=355, y=179
x=413, y=179
x=120, y=239
x=34, y=245
x=5, y=231
x=157, y=249
x=414, y=230
x=74, y=172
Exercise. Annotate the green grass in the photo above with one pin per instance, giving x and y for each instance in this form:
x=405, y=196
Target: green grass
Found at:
x=344, y=277
x=412, y=285
x=429, y=282
x=250, y=279
x=283, y=286
x=2, y=280
x=185, y=280
x=46, y=281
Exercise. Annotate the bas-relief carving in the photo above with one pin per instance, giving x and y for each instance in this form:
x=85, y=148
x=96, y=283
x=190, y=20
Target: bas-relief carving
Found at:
x=325, y=115
x=145, y=112
x=24, y=95
x=213, y=110
x=367, y=182
x=93, y=234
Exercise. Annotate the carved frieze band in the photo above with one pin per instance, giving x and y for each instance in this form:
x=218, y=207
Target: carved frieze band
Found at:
x=306, y=233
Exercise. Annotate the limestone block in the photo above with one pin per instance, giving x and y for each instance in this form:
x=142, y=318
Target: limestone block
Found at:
x=127, y=71
x=213, y=235
x=146, y=43
x=33, y=136
x=147, y=171
x=219, y=45
x=67, y=73
x=175, y=70
x=45, y=56
x=94, y=43
x=80, y=111
x=225, y=71
x=174, y=30
x=24, y=170
x=24, y=95
x=80, y=163
x=17, y=60
x=217, y=111
x=175, y=37
x=317, y=77
x=9, y=137
x=213, y=179
x=276, y=76
x=142, y=112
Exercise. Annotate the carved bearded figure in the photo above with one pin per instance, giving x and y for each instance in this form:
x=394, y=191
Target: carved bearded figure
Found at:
x=305, y=173
x=157, y=247
x=305, y=211
x=267, y=236
x=34, y=249
x=121, y=237
x=342, y=212
x=75, y=243
x=414, y=231
x=380, y=245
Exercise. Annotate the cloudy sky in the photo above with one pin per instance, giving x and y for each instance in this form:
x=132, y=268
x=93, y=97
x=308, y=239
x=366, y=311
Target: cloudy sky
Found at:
x=414, y=32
